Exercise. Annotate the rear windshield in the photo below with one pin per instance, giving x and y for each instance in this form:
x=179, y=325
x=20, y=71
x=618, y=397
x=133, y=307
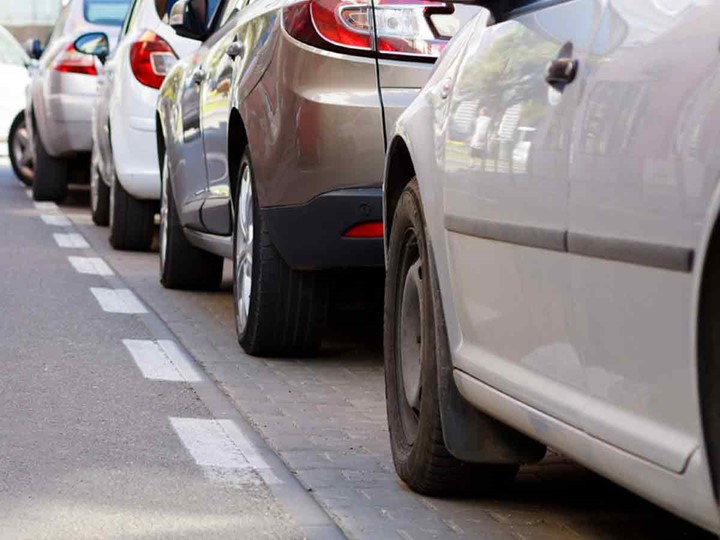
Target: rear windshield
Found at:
x=108, y=12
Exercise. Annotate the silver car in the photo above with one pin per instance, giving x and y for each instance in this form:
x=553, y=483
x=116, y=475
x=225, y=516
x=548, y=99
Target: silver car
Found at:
x=553, y=265
x=60, y=96
x=272, y=143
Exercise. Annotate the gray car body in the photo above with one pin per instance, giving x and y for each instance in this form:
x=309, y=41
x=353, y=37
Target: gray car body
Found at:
x=313, y=121
x=60, y=104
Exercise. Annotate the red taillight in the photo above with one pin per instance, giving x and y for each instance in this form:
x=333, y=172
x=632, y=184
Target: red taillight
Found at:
x=402, y=27
x=71, y=61
x=369, y=229
x=151, y=58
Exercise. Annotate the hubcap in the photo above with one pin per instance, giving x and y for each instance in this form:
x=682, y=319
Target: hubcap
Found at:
x=164, y=212
x=21, y=151
x=410, y=337
x=244, y=230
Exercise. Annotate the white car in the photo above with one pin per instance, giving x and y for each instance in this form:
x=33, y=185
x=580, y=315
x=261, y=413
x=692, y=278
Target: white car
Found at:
x=553, y=269
x=60, y=95
x=13, y=81
x=125, y=176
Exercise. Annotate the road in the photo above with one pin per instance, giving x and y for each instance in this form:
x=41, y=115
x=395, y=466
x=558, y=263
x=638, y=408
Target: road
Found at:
x=130, y=411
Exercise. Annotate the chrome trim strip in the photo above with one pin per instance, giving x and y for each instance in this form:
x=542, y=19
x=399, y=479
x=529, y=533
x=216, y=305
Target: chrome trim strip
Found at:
x=219, y=245
x=662, y=256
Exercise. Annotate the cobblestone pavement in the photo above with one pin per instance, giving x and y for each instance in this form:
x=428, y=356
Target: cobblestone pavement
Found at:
x=325, y=417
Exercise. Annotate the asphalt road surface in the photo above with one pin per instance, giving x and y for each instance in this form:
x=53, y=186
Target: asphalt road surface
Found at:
x=129, y=411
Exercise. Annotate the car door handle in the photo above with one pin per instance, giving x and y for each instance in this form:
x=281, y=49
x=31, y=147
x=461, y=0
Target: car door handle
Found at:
x=198, y=75
x=235, y=49
x=563, y=70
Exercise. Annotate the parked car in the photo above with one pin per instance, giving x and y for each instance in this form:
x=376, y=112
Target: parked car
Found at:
x=560, y=287
x=124, y=166
x=61, y=94
x=13, y=80
x=272, y=148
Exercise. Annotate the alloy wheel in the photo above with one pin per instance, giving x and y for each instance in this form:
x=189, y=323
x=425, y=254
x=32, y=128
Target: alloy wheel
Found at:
x=164, y=200
x=244, y=233
x=21, y=151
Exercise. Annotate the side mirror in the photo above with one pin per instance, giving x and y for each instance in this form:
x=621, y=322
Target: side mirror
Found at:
x=189, y=18
x=33, y=48
x=95, y=44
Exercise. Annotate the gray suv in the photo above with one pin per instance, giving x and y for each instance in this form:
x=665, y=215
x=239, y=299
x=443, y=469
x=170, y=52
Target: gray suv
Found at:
x=272, y=141
x=61, y=93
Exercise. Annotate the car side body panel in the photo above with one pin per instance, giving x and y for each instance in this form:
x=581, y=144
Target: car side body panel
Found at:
x=661, y=455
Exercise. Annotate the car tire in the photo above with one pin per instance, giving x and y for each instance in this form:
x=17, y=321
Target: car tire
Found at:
x=278, y=311
x=413, y=329
x=20, y=152
x=99, y=197
x=51, y=174
x=132, y=221
x=182, y=265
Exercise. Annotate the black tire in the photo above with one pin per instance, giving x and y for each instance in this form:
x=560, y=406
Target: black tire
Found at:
x=19, y=150
x=51, y=174
x=99, y=198
x=287, y=308
x=420, y=456
x=132, y=221
x=182, y=265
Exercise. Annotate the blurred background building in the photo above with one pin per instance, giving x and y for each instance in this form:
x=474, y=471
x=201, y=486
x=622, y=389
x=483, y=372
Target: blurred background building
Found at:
x=29, y=18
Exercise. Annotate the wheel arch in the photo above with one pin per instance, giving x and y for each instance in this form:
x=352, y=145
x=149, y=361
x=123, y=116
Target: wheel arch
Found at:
x=399, y=171
x=469, y=434
x=237, y=141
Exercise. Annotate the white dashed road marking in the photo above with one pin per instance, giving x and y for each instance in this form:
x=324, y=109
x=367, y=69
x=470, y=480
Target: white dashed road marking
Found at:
x=71, y=240
x=161, y=360
x=91, y=265
x=58, y=221
x=44, y=205
x=118, y=300
x=211, y=445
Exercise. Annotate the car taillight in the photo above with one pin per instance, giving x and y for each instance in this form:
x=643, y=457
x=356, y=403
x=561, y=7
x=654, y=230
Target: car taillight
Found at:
x=151, y=58
x=71, y=61
x=369, y=229
x=419, y=28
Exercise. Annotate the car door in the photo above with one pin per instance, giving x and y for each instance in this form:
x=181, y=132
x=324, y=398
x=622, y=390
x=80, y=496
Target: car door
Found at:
x=215, y=112
x=644, y=169
x=505, y=161
x=189, y=171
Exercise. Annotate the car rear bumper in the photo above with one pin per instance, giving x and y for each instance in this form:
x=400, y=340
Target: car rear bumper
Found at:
x=310, y=236
x=134, y=147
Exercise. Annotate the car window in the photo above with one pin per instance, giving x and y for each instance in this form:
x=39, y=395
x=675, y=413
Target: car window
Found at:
x=108, y=12
x=10, y=50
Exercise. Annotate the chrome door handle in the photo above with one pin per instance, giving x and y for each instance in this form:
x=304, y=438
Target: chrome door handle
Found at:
x=563, y=70
x=235, y=49
x=198, y=75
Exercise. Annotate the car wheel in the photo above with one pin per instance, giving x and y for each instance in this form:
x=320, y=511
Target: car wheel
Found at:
x=99, y=197
x=182, y=265
x=278, y=311
x=51, y=174
x=413, y=327
x=132, y=221
x=20, y=152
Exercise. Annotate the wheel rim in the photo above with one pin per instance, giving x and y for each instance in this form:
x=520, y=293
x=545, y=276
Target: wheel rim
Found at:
x=410, y=337
x=244, y=233
x=164, y=212
x=21, y=151
x=94, y=188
